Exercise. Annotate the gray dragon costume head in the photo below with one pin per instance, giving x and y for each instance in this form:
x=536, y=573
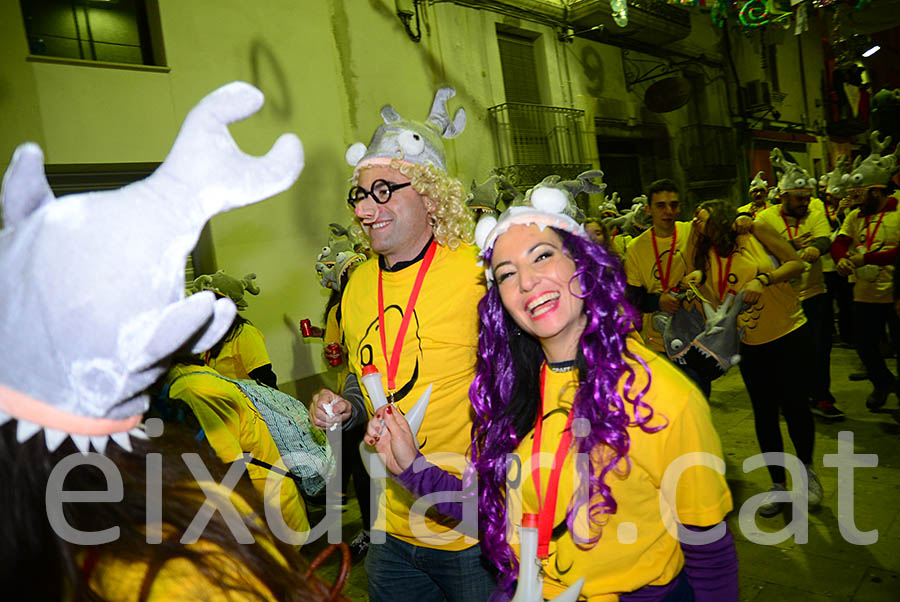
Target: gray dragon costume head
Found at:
x=225, y=285
x=605, y=207
x=875, y=170
x=339, y=256
x=410, y=141
x=92, y=296
x=550, y=203
x=634, y=221
x=493, y=195
x=793, y=177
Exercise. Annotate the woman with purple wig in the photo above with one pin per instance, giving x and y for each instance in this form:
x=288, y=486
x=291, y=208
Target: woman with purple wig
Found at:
x=578, y=423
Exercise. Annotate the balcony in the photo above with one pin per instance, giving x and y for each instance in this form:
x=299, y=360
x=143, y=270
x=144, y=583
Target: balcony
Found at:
x=535, y=141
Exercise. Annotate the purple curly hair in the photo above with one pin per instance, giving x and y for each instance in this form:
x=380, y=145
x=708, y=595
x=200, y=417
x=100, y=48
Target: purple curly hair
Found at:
x=505, y=395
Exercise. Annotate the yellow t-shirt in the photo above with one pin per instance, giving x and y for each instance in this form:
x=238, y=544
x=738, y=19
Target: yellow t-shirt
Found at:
x=333, y=335
x=619, y=244
x=635, y=548
x=874, y=284
x=241, y=355
x=753, y=209
x=812, y=280
x=233, y=426
x=439, y=349
x=778, y=310
x=641, y=269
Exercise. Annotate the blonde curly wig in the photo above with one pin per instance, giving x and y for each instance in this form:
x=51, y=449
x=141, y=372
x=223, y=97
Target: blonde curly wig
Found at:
x=445, y=200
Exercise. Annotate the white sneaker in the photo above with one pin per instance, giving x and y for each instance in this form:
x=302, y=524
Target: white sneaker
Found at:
x=815, y=489
x=771, y=503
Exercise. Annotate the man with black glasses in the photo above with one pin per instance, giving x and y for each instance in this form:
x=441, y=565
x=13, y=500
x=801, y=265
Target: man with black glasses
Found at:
x=410, y=311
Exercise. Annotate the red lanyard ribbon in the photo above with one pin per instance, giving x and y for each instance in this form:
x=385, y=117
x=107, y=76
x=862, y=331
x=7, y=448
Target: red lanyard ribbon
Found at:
x=723, y=275
x=788, y=227
x=394, y=362
x=870, y=238
x=664, y=277
x=547, y=512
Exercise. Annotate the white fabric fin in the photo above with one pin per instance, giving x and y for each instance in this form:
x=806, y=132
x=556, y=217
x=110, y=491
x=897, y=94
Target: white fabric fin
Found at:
x=25, y=430
x=122, y=440
x=54, y=438
x=99, y=443
x=4, y=418
x=82, y=442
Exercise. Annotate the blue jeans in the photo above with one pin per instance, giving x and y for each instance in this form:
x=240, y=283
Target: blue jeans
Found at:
x=399, y=571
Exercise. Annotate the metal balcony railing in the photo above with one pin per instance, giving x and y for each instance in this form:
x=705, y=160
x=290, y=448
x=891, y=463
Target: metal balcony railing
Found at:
x=534, y=141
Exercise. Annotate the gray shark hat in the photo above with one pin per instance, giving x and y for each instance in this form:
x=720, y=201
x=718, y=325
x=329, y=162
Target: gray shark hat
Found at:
x=92, y=296
x=834, y=184
x=759, y=182
x=413, y=142
x=793, y=177
x=875, y=170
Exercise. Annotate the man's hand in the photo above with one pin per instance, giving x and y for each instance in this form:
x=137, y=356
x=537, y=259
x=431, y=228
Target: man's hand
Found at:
x=809, y=254
x=328, y=409
x=802, y=241
x=669, y=303
x=390, y=435
x=742, y=224
x=844, y=267
x=857, y=260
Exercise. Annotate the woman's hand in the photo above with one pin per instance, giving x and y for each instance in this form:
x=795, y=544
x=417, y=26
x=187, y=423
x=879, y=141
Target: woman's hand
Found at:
x=390, y=435
x=752, y=291
x=694, y=278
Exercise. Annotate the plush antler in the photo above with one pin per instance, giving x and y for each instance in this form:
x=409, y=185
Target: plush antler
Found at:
x=878, y=146
x=440, y=117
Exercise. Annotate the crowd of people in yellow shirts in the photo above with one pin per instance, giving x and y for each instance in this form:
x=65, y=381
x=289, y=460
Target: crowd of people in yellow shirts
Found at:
x=560, y=367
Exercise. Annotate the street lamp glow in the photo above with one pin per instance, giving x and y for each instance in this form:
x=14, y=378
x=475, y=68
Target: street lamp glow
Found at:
x=871, y=51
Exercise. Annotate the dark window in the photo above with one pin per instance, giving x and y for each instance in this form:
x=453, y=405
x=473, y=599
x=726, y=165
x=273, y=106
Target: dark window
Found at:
x=520, y=80
x=113, y=31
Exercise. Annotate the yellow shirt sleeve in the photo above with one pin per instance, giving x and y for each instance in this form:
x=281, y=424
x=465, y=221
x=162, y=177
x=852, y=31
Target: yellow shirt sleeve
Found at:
x=233, y=426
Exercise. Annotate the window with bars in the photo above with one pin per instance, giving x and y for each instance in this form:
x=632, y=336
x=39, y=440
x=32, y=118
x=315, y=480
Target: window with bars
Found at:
x=517, y=59
x=112, y=31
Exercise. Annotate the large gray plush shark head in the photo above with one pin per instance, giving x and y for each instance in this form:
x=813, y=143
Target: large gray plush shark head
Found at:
x=92, y=299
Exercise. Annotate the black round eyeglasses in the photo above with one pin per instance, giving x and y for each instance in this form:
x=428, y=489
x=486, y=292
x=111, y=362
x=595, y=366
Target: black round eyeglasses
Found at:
x=380, y=191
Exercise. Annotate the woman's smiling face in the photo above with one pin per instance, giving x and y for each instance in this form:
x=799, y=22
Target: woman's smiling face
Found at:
x=534, y=277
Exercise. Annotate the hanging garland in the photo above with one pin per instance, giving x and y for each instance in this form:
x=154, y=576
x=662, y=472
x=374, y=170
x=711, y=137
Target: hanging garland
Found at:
x=753, y=14
x=619, y=12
